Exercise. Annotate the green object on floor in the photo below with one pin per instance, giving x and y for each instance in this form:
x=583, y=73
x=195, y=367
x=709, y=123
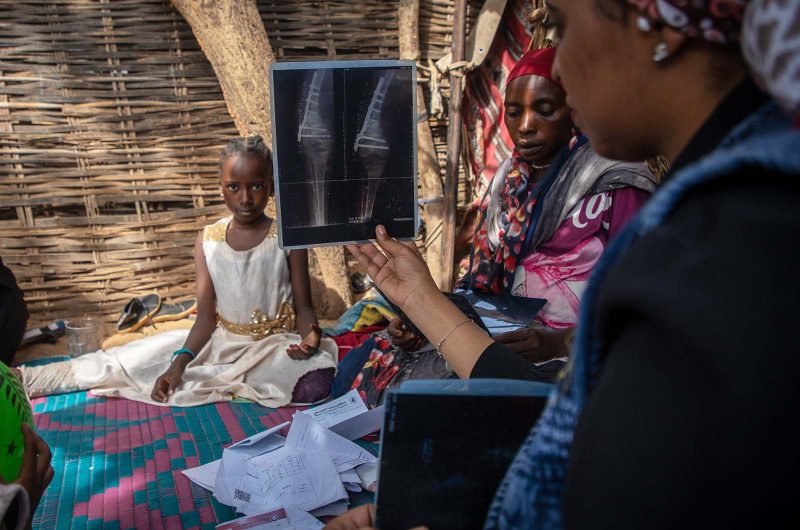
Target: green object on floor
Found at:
x=15, y=409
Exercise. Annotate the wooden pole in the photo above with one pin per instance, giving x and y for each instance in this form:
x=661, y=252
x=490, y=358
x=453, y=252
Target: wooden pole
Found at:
x=453, y=148
x=428, y=165
x=235, y=42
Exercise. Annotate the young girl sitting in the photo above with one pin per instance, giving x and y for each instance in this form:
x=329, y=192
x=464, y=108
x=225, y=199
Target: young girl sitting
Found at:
x=250, y=295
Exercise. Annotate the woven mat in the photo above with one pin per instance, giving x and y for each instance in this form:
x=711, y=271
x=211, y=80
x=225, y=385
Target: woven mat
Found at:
x=118, y=463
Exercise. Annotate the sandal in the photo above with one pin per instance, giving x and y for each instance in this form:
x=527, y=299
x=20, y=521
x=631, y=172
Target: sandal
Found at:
x=138, y=312
x=175, y=311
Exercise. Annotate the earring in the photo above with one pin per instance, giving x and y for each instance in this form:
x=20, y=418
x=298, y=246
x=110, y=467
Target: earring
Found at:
x=643, y=24
x=660, y=52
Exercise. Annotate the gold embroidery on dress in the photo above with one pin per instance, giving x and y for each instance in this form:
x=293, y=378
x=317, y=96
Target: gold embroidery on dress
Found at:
x=261, y=325
x=215, y=232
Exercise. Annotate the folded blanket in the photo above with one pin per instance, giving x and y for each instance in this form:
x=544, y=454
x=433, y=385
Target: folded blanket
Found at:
x=371, y=310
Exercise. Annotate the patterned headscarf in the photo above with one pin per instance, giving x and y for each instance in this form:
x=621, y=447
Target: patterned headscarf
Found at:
x=504, y=221
x=717, y=21
x=771, y=46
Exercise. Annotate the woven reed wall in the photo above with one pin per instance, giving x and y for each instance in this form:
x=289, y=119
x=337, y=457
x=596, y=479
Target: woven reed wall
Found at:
x=366, y=29
x=111, y=121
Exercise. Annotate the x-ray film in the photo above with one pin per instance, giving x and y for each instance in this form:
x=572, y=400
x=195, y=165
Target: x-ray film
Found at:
x=344, y=150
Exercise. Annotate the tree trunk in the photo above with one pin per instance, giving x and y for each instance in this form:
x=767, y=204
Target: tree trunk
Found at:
x=234, y=40
x=429, y=176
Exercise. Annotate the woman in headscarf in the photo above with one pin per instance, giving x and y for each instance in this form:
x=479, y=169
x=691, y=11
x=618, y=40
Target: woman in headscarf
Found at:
x=678, y=407
x=553, y=205
x=545, y=219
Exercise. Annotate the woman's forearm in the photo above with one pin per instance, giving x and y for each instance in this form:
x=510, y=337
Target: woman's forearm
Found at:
x=437, y=318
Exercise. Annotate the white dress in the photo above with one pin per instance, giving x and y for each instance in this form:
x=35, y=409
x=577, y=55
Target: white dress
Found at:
x=229, y=365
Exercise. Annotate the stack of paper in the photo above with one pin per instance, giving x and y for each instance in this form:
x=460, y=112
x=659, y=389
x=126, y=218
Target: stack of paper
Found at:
x=310, y=470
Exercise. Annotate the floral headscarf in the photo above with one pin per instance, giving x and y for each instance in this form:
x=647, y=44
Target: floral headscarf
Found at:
x=495, y=258
x=718, y=21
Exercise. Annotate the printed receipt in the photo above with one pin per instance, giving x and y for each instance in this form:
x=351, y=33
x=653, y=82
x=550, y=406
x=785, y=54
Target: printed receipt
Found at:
x=338, y=410
x=288, y=477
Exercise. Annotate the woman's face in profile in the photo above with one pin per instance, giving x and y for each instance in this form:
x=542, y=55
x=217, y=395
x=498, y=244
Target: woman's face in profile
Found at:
x=605, y=64
x=537, y=118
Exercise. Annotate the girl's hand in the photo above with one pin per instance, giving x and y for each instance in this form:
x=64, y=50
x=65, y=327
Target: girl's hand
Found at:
x=308, y=346
x=166, y=384
x=401, y=274
x=536, y=345
x=401, y=338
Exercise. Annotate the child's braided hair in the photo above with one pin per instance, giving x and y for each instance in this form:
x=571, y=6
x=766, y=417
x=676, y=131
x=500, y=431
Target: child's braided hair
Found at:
x=248, y=146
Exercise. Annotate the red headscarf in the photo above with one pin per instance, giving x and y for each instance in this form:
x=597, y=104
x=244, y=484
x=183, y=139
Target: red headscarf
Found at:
x=535, y=62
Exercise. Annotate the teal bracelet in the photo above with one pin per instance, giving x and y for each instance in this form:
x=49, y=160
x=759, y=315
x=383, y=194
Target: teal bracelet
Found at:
x=183, y=350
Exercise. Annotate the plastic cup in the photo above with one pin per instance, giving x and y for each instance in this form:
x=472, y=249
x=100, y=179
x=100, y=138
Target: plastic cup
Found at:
x=84, y=335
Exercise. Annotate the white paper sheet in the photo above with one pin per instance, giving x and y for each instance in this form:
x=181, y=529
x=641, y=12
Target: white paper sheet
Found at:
x=302, y=520
x=368, y=473
x=338, y=410
x=231, y=468
x=262, y=442
x=287, y=477
x=234, y=461
x=205, y=475
x=307, y=435
x=349, y=476
x=351, y=484
x=360, y=425
x=350, y=480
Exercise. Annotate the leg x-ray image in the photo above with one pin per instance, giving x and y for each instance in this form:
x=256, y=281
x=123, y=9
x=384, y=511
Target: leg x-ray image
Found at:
x=315, y=137
x=344, y=150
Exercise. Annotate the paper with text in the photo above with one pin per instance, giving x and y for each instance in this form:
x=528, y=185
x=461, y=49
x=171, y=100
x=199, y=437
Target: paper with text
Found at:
x=307, y=435
x=287, y=477
x=338, y=410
